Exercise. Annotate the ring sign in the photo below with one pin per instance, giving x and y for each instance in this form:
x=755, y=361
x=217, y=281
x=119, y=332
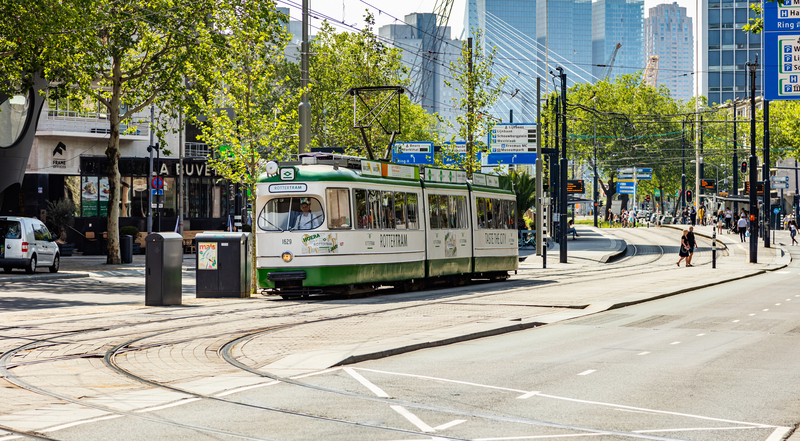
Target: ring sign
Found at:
x=158, y=183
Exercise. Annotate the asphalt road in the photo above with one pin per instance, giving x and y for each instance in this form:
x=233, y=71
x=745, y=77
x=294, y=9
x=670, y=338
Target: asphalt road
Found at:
x=714, y=364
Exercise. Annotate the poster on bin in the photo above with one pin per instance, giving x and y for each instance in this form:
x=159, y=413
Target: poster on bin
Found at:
x=207, y=255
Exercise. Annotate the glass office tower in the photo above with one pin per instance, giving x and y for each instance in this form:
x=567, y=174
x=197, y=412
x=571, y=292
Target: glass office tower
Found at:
x=564, y=27
x=618, y=21
x=669, y=33
x=724, y=48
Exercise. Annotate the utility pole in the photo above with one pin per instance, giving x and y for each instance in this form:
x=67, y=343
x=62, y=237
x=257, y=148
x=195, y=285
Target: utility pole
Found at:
x=765, y=172
x=594, y=189
x=540, y=207
x=735, y=162
x=683, y=166
x=150, y=175
x=753, y=164
x=700, y=166
x=511, y=116
x=562, y=205
x=181, y=190
x=470, y=122
x=304, y=111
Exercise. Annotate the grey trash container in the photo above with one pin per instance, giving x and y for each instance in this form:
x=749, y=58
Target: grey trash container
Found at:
x=164, y=256
x=126, y=248
x=223, y=265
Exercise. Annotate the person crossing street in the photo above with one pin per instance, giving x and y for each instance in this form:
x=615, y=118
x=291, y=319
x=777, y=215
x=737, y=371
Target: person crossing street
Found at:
x=742, y=226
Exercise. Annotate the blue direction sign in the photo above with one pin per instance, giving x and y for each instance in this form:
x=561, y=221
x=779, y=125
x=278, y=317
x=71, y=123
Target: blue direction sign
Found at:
x=412, y=158
x=508, y=158
x=626, y=187
x=782, y=50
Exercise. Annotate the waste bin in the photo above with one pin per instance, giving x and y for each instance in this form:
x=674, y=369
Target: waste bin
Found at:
x=223, y=265
x=164, y=256
x=126, y=248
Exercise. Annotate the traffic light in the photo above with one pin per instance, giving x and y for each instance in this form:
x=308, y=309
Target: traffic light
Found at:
x=647, y=198
x=688, y=195
x=744, y=167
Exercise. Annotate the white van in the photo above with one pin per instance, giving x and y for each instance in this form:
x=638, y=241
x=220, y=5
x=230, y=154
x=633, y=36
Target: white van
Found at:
x=27, y=243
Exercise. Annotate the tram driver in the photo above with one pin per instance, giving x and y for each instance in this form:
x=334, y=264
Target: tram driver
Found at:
x=307, y=220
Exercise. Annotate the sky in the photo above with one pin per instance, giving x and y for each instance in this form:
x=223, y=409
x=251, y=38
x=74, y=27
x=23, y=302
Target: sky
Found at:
x=386, y=12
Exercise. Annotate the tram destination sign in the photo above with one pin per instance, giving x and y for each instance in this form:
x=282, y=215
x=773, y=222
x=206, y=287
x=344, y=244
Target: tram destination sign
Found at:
x=782, y=50
x=484, y=180
x=575, y=186
x=510, y=138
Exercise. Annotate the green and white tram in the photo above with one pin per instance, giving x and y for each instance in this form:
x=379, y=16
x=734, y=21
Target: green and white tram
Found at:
x=351, y=225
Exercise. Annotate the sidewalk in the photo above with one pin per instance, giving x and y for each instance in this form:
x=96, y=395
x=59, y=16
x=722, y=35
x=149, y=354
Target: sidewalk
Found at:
x=594, y=246
x=75, y=267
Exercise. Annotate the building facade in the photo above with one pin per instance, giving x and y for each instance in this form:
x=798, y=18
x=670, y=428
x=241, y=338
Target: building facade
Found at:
x=613, y=22
x=669, y=33
x=724, y=49
x=564, y=31
x=428, y=50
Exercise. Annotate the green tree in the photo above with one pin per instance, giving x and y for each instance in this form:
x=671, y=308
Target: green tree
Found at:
x=478, y=90
x=343, y=60
x=243, y=106
x=525, y=190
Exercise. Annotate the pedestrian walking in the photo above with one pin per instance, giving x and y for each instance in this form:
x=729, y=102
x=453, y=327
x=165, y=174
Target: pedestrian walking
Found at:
x=741, y=225
x=701, y=215
x=683, y=252
x=693, y=215
x=728, y=217
x=692, y=245
x=720, y=223
x=793, y=231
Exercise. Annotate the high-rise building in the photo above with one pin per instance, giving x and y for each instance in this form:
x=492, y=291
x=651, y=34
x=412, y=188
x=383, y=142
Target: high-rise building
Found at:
x=564, y=31
x=428, y=51
x=617, y=22
x=724, y=48
x=669, y=33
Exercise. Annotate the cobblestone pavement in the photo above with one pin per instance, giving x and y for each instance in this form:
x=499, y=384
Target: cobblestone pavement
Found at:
x=57, y=364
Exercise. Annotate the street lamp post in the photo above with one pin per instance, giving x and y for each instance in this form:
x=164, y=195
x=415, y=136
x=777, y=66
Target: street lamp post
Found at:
x=753, y=178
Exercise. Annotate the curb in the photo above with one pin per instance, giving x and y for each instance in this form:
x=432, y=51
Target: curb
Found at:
x=37, y=277
x=619, y=250
x=719, y=241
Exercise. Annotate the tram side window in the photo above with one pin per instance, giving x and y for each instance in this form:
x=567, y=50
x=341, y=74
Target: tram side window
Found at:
x=412, y=209
x=400, y=210
x=462, y=212
x=502, y=217
x=374, y=198
x=338, y=209
x=387, y=210
x=481, y=213
x=490, y=217
x=362, y=209
x=433, y=207
x=512, y=208
x=444, y=215
x=452, y=208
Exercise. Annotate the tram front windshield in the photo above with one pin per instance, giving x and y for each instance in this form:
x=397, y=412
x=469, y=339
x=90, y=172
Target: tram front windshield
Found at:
x=288, y=214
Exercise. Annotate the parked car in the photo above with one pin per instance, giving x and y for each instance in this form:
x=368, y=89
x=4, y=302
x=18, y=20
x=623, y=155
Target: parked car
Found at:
x=27, y=243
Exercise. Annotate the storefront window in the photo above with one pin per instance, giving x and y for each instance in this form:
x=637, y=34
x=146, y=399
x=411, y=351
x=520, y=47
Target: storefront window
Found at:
x=170, y=208
x=139, y=198
x=89, y=196
x=125, y=194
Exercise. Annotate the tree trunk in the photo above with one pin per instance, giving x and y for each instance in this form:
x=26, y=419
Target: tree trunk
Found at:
x=112, y=153
x=624, y=199
x=611, y=190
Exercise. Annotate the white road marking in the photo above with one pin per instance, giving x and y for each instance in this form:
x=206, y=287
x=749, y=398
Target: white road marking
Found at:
x=244, y=388
x=778, y=433
x=751, y=315
x=375, y=389
x=570, y=435
x=588, y=372
x=693, y=429
x=78, y=423
x=167, y=406
x=788, y=300
x=485, y=386
x=675, y=343
x=643, y=353
x=9, y=437
x=777, y=304
x=765, y=310
x=412, y=418
x=316, y=373
x=700, y=335
x=575, y=400
x=736, y=321
x=783, y=272
x=449, y=425
x=528, y=395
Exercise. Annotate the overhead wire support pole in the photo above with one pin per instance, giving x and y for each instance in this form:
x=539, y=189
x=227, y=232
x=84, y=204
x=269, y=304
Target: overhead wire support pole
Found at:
x=683, y=166
x=562, y=216
x=150, y=175
x=540, y=207
x=753, y=166
x=735, y=189
x=470, y=122
x=304, y=111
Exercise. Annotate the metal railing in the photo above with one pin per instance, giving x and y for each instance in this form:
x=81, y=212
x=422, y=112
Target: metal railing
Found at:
x=84, y=122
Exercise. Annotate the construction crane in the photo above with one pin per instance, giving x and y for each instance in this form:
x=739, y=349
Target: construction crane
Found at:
x=610, y=63
x=651, y=72
x=432, y=34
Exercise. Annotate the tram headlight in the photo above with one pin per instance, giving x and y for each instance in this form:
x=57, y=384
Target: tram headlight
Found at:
x=287, y=256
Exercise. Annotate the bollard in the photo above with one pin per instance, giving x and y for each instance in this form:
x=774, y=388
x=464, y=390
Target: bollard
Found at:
x=714, y=248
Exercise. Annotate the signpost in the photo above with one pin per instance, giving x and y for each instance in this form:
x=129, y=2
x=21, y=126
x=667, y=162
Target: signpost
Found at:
x=782, y=50
x=507, y=138
x=626, y=187
x=420, y=152
x=498, y=158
